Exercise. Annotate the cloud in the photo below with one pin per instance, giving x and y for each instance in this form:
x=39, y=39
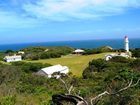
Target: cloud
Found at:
x=15, y=21
x=32, y=13
x=12, y=15
x=62, y=10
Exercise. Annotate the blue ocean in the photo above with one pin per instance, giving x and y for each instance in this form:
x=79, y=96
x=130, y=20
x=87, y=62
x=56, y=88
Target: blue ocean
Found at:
x=114, y=43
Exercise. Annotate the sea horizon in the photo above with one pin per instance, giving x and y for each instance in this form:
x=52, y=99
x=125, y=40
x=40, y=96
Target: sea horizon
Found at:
x=93, y=43
x=69, y=40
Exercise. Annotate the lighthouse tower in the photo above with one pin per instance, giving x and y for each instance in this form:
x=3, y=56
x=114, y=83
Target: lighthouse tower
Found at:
x=126, y=41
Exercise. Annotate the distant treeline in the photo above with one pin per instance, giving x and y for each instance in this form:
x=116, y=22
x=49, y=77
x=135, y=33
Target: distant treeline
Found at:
x=35, y=53
x=98, y=50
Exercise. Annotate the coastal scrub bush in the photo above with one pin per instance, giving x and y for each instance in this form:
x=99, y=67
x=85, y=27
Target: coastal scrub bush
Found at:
x=136, y=52
x=87, y=73
x=34, y=49
x=47, y=55
x=35, y=53
x=30, y=83
x=98, y=65
x=91, y=51
x=98, y=50
x=119, y=59
x=135, y=64
x=30, y=67
x=9, y=74
x=2, y=56
x=9, y=51
x=8, y=100
x=106, y=49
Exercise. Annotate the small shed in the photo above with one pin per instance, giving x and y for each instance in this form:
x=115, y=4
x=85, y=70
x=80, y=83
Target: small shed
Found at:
x=56, y=69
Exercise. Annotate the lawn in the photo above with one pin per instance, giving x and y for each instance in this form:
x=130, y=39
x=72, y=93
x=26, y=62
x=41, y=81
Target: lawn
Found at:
x=76, y=63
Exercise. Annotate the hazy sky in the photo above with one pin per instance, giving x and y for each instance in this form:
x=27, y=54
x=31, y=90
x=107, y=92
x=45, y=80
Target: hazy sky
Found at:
x=56, y=20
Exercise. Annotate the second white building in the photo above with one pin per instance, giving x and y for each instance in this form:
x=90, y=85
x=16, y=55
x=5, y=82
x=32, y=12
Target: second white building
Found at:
x=49, y=71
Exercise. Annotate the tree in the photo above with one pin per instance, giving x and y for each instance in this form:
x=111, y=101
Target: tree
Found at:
x=9, y=51
x=99, y=96
x=58, y=99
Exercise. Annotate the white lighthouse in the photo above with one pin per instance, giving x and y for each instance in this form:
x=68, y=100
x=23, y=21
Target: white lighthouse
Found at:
x=126, y=41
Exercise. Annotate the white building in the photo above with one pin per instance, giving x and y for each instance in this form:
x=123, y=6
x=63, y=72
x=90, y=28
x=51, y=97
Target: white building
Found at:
x=49, y=71
x=108, y=57
x=79, y=51
x=13, y=58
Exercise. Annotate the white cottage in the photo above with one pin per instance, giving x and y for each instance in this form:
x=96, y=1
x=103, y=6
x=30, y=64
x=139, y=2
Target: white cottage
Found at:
x=13, y=58
x=49, y=71
x=79, y=51
x=110, y=56
x=21, y=52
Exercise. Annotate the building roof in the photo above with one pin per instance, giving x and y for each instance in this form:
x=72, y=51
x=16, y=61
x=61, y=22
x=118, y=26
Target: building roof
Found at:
x=21, y=52
x=79, y=50
x=55, y=68
x=14, y=56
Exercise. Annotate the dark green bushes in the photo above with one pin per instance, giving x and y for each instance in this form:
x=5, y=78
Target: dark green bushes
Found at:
x=8, y=100
x=98, y=65
x=34, y=49
x=47, y=55
x=31, y=84
x=30, y=67
x=135, y=64
x=2, y=54
x=9, y=74
x=119, y=59
x=35, y=53
x=136, y=52
x=19, y=78
x=115, y=64
x=98, y=50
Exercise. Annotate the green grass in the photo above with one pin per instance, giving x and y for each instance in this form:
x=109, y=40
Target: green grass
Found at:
x=76, y=63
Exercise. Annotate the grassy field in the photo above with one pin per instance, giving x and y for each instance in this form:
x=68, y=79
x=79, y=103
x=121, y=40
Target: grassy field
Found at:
x=76, y=63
